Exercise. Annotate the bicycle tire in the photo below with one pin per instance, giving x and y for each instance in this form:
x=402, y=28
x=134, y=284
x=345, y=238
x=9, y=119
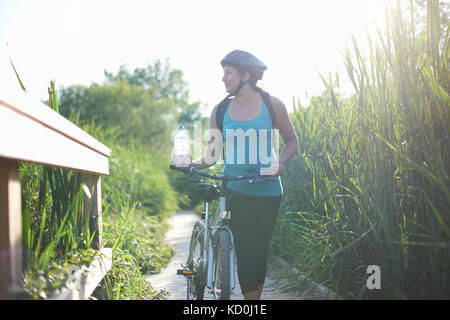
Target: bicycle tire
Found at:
x=196, y=283
x=222, y=272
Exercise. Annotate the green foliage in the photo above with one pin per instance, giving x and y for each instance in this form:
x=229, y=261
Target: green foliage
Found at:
x=125, y=281
x=17, y=75
x=370, y=182
x=133, y=110
x=134, y=114
x=142, y=175
x=55, y=223
x=39, y=283
x=145, y=105
x=166, y=82
x=137, y=198
x=140, y=235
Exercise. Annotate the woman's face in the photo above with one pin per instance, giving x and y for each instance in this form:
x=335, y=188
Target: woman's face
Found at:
x=231, y=78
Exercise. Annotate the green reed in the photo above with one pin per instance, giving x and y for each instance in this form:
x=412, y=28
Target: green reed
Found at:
x=370, y=183
x=56, y=225
x=54, y=218
x=137, y=199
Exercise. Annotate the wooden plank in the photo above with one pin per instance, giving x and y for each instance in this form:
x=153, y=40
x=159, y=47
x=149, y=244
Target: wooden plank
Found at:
x=29, y=107
x=25, y=139
x=10, y=229
x=31, y=131
x=84, y=281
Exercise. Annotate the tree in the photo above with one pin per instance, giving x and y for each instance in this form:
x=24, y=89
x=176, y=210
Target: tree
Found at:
x=145, y=105
x=167, y=82
x=420, y=8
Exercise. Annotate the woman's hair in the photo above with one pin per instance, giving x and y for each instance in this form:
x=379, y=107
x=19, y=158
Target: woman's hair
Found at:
x=253, y=84
x=252, y=80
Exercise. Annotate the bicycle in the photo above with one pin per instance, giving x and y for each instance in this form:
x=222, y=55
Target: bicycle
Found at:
x=211, y=259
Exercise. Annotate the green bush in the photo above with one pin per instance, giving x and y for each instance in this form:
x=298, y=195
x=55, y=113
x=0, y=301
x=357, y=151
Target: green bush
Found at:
x=141, y=174
x=125, y=281
x=137, y=194
x=137, y=200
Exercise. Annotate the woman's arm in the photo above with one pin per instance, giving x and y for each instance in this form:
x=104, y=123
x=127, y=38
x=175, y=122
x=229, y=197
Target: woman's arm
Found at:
x=284, y=125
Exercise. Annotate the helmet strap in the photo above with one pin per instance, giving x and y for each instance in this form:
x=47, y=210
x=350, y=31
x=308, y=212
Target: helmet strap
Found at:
x=241, y=84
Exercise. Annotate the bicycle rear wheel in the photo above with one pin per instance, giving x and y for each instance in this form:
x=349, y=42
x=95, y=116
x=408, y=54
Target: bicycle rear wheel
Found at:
x=196, y=283
x=222, y=272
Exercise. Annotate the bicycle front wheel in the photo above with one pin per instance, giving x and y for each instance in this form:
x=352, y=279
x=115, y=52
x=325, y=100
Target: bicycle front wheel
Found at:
x=222, y=269
x=196, y=283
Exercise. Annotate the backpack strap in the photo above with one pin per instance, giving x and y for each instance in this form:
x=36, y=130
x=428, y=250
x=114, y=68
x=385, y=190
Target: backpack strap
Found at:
x=266, y=98
x=220, y=112
x=223, y=105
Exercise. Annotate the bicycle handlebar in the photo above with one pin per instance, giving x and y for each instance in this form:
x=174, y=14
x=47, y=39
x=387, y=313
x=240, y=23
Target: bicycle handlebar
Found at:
x=256, y=178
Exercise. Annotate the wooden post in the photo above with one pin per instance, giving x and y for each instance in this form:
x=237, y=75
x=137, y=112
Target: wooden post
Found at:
x=97, y=221
x=50, y=140
x=10, y=229
x=93, y=200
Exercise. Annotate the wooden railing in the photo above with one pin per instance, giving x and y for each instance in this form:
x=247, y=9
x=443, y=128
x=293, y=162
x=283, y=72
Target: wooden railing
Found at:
x=31, y=131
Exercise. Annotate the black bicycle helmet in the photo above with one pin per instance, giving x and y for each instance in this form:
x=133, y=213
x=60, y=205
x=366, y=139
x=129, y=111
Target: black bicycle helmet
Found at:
x=245, y=61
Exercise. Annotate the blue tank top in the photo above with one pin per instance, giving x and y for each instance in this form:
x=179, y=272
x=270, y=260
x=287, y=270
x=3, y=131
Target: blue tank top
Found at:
x=248, y=146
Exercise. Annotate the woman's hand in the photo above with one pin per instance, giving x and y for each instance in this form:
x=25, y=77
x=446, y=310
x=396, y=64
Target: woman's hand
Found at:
x=275, y=170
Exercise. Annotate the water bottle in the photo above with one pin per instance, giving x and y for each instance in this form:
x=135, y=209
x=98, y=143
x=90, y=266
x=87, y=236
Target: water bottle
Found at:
x=181, y=154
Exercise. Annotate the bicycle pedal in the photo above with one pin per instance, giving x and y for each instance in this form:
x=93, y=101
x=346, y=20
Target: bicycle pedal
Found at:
x=184, y=272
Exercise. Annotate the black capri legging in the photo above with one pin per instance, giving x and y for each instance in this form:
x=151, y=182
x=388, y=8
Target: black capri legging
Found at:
x=252, y=222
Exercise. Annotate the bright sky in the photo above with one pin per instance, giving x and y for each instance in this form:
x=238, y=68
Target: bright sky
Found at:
x=74, y=41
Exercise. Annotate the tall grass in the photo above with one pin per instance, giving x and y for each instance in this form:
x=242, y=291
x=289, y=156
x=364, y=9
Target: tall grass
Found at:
x=55, y=222
x=370, y=184
x=137, y=199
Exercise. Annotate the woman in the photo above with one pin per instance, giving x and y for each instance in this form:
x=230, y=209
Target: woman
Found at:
x=254, y=207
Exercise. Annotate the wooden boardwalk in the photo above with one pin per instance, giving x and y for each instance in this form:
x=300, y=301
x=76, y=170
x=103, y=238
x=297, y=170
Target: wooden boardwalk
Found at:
x=179, y=236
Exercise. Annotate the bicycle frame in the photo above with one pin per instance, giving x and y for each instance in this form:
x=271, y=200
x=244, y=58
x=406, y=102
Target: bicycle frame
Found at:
x=212, y=225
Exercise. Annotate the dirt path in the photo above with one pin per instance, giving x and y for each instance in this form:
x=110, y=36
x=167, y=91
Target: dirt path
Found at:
x=178, y=237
